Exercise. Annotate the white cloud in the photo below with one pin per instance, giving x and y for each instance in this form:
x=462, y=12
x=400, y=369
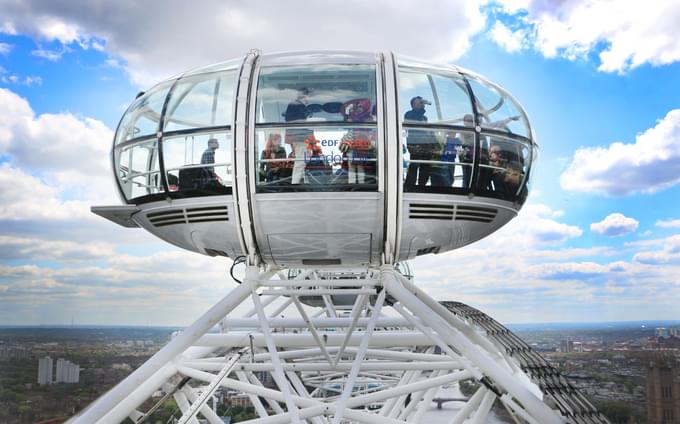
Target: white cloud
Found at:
x=668, y=223
x=669, y=253
x=27, y=197
x=39, y=249
x=51, y=55
x=53, y=146
x=567, y=270
x=511, y=41
x=53, y=28
x=5, y=48
x=632, y=33
x=615, y=224
x=536, y=225
x=156, y=42
x=29, y=80
x=650, y=164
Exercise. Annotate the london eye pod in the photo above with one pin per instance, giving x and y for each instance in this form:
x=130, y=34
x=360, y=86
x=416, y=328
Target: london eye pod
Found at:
x=337, y=167
x=319, y=158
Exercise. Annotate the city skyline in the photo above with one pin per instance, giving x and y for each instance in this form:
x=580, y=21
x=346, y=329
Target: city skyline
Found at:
x=598, y=240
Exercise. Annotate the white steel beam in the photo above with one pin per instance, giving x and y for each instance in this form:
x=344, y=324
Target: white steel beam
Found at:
x=206, y=411
x=356, y=313
x=481, y=358
x=278, y=374
x=312, y=329
x=175, y=347
x=325, y=367
x=356, y=365
x=255, y=400
x=209, y=390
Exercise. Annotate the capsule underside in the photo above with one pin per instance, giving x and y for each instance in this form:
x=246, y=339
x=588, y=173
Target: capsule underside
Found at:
x=322, y=158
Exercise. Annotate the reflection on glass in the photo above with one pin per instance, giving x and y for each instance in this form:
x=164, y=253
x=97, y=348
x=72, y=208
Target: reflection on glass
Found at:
x=503, y=167
x=198, y=162
x=143, y=116
x=446, y=96
x=138, y=169
x=497, y=109
x=437, y=159
x=313, y=93
x=322, y=158
x=201, y=101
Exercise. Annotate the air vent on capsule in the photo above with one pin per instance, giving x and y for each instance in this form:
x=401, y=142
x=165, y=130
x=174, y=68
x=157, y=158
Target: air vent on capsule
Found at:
x=430, y=211
x=427, y=250
x=207, y=214
x=171, y=217
x=475, y=213
x=188, y=216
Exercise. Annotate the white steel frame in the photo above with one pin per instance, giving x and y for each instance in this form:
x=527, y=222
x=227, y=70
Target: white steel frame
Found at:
x=383, y=361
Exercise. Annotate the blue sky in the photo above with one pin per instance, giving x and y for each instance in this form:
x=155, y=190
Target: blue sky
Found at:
x=599, y=239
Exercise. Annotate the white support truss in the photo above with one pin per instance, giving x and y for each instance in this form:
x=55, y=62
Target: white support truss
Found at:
x=325, y=347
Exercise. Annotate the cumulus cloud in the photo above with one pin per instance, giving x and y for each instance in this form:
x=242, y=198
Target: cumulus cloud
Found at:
x=536, y=226
x=668, y=223
x=39, y=249
x=5, y=48
x=569, y=271
x=650, y=164
x=623, y=37
x=156, y=42
x=511, y=41
x=615, y=224
x=668, y=254
x=53, y=145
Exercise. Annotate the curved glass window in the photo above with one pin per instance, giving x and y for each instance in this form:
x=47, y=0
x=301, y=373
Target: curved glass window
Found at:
x=201, y=101
x=142, y=118
x=497, y=110
x=446, y=99
x=227, y=65
x=503, y=168
x=442, y=151
x=138, y=169
x=198, y=164
x=317, y=158
x=196, y=138
x=314, y=93
x=438, y=160
x=315, y=128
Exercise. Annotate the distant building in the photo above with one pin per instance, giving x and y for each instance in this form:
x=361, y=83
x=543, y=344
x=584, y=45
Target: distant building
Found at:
x=240, y=399
x=45, y=371
x=671, y=342
x=663, y=390
x=674, y=332
x=7, y=353
x=566, y=346
x=67, y=372
x=661, y=332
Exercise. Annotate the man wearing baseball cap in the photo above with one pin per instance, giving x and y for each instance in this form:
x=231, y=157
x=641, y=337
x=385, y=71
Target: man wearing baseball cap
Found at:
x=422, y=145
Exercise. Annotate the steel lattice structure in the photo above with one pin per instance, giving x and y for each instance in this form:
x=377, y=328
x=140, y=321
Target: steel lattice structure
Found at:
x=382, y=359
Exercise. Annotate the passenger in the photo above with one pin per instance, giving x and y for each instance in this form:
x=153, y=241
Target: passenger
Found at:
x=358, y=145
x=208, y=156
x=422, y=146
x=297, y=109
x=297, y=112
x=513, y=178
x=499, y=164
x=273, y=160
